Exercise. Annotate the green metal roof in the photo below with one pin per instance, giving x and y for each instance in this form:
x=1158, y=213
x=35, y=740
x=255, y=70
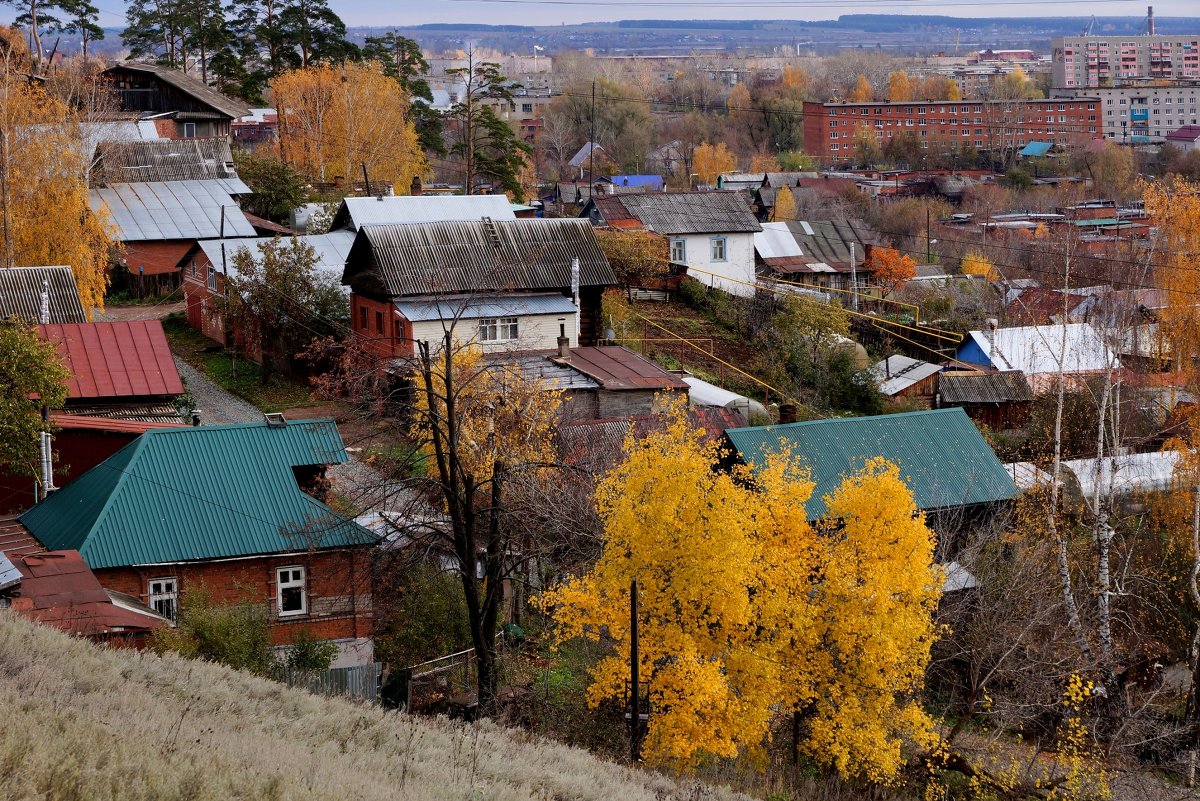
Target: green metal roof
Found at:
x=942, y=456
x=210, y=492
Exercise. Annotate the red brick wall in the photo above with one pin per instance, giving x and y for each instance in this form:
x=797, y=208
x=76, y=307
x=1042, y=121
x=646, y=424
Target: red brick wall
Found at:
x=994, y=125
x=379, y=326
x=338, y=584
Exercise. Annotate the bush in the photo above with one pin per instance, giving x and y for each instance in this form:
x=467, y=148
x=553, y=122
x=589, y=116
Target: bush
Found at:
x=429, y=618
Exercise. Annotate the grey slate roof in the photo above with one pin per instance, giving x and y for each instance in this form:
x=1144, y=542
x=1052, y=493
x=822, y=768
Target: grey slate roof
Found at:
x=828, y=241
x=692, y=212
x=196, y=88
x=165, y=210
x=21, y=294
x=162, y=160
x=355, y=212
x=475, y=256
x=897, y=373
x=1002, y=387
x=471, y=307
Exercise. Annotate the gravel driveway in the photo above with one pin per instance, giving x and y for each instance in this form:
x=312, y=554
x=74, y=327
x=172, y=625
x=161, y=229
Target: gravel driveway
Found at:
x=361, y=484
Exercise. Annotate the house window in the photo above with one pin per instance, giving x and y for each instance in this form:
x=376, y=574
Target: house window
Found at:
x=290, y=596
x=718, y=248
x=526, y=108
x=362, y=318
x=193, y=268
x=378, y=322
x=679, y=251
x=212, y=278
x=498, y=329
x=163, y=596
x=189, y=130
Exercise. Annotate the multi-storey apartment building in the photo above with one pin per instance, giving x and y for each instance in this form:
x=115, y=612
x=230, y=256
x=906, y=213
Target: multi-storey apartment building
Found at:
x=1095, y=61
x=1133, y=113
x=997, y=125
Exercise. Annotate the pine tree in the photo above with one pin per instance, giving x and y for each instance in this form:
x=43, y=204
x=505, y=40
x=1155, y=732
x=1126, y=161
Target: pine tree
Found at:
x=486, y=144
x=82, y=19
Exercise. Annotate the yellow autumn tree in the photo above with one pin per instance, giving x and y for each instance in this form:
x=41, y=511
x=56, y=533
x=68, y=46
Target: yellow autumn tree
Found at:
x=335, y=118
x=1174, y=204
x=900, y=87
x=634, y=254
x=785, y=205
x=737, y=594
x=709, y=161
x=45, y=217
x=794, y=81
x=862, y=91
x=975, y=263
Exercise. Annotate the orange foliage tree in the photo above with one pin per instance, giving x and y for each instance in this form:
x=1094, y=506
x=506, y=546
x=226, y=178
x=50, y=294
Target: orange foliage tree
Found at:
x=900, y=87
x=862, y=92
x=890, y=268
x=335, y=118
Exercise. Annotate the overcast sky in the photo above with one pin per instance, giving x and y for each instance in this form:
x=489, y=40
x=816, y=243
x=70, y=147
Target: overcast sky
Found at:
x=413, y=12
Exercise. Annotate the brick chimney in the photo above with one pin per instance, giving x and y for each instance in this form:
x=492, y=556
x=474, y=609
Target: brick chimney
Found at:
x=787, y=413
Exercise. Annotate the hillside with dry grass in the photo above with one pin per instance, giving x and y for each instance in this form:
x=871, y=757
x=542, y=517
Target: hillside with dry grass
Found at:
x=83, y=722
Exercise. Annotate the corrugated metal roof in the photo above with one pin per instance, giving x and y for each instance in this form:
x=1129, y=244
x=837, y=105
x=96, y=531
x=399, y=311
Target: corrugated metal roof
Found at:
x=941, y=455
x=118, y=162
x=775, y=241
x=618, y=368
x=159, y=414
x=80, y=422
x=692, y=212
x=212, y=492
x=828, y=241
x=1132, y=472
x=330, y=249
x=897, y=373
x=1003, y=387
x=473, y=307
x=21, y=294
x=474, y=256
x=173, y=209
x=128, y=359
x=355, y=212
x=193, y=87
x=1036, y=350
x=548, y=373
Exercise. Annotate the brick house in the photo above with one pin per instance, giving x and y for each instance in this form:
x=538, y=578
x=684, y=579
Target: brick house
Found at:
x=209, y=260
x=505, y=284
x=238, y=511
x=158, y=223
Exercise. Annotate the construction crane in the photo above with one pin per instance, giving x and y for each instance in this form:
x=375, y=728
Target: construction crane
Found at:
x=1091, y=24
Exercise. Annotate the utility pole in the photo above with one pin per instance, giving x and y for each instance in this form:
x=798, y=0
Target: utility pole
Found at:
x=635, y=714
x=928, y=240
x=592, y=142
x=853, y=280
x=366, y=180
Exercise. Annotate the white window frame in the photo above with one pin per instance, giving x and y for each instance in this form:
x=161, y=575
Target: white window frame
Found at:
x=212, y=278
x=499, y=329
x=286, y=579
x=189, y=130
x=679, y=251
x=163, y=589
x=718, y=243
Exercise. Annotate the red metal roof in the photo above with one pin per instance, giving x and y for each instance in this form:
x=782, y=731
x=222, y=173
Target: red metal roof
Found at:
x=60, y=590
x=129, y=359
x=78, y=422
x=619, y=368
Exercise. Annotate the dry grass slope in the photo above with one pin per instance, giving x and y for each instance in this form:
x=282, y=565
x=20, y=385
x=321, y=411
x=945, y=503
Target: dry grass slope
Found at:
x=82, y=722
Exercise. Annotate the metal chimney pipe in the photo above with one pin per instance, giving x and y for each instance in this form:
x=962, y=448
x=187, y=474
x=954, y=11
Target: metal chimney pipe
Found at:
x=47, y=466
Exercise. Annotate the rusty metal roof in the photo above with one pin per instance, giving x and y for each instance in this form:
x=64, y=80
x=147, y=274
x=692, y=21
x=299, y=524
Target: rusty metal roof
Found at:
x=21, y=294
x=617, y=368
x=472, y=256
x=59, y=589
x=81, y=422
x=15, y=539
x=127, y=359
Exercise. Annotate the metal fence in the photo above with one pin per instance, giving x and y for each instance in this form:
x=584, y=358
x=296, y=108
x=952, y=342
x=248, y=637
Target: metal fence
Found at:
x=435, y=684
x=360, y=682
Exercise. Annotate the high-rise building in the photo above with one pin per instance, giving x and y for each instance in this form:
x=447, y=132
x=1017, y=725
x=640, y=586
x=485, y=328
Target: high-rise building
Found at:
x=1145, y=112
x=1094, y=61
